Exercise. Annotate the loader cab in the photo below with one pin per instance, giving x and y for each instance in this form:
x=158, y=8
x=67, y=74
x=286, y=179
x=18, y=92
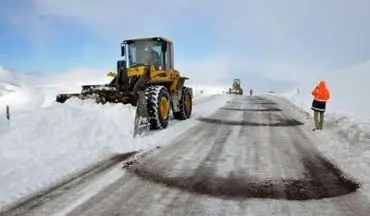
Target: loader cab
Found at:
x=236, y=83
x=154, y=51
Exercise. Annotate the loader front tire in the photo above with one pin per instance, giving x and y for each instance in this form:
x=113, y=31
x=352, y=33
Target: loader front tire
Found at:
x=158, y=106
x=186, y=105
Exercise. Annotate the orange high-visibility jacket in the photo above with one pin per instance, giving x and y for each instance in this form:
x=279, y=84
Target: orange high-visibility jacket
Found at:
x=321, y=93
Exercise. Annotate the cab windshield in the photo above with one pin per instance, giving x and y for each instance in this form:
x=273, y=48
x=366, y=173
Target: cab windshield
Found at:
x=144, y=52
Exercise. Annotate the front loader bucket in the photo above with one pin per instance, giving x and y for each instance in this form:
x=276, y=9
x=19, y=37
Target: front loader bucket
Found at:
x=61, y=98
x=101, y=94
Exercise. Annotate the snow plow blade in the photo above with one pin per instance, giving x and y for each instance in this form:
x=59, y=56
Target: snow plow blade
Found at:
x=142, y=123
x=108, y=94
x=101, y=94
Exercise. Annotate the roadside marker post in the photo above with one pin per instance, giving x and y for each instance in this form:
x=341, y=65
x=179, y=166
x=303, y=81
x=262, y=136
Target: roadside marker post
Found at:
x=8, y=113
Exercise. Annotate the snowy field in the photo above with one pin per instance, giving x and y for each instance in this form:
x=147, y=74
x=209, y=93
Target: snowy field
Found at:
x=46, y=142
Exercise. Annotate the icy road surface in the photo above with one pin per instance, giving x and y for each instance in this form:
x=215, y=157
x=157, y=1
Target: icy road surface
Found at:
x=251, y=157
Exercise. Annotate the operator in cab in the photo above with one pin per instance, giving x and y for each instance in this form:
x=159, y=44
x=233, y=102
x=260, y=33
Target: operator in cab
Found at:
x=153, y=57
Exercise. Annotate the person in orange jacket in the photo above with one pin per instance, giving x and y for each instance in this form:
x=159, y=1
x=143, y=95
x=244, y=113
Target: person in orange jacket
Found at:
x=321, y=95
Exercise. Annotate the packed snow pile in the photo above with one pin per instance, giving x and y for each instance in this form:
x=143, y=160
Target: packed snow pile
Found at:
x=356, y=131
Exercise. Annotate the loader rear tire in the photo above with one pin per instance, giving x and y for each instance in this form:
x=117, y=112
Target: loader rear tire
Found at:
x=186, y=105
x=158, y=106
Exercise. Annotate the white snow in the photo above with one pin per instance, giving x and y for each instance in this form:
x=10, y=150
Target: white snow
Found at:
x=46, y=142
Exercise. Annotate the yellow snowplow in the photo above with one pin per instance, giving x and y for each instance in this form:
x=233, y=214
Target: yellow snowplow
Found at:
x=236, y=88
x=145, y=78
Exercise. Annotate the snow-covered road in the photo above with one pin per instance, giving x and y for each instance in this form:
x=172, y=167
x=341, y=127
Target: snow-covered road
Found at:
x=251, y=157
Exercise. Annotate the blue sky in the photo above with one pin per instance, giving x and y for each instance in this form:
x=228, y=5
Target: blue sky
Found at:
x=283, y=40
